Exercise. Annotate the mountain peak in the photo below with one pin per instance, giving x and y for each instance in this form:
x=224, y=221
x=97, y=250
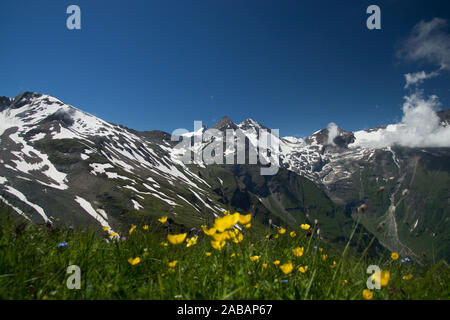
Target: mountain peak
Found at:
x=249, y=123
x=333, y=135
x=4, y=102
x=225, y=123
x=24, y=98
x=27, y=95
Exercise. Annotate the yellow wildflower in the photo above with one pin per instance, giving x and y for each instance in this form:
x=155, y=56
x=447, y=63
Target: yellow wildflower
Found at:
x=394, y=256
x=305, y=226
x=226, y=222
x=276, y=262
x=218, y=245
x=238, y=238
x=145, y=227
x=407, y=277
x=382, y=278
x=367, y=294
x=233, y=255
x=385, y=275
x=163, y=219
x=133, y=227
x=298, y=252
x=264, y=265
x=303, y=269
x=209, y=232
x=287, y=267
x=164, y=244
x=225, y=213
x=173, y=264
x=191, y=241
x=334, y=265
x=221, y=236
x=134, y=261
x=282, y=231
x=245, y=219
x=324, y=257
x=255, y=258
x=276, y=236
x=207, y=254
x=247, y=226
x=292, y=234
x=176, y=238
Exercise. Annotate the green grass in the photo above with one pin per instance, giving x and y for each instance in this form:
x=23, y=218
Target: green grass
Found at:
x=33, y=267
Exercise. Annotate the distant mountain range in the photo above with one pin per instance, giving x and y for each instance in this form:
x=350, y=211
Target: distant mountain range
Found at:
x=61, y=165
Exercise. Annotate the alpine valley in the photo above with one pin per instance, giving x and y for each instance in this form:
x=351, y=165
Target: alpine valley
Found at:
x=62, y=166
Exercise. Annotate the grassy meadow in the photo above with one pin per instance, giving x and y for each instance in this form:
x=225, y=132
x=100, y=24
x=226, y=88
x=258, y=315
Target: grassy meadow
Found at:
x=217, y=261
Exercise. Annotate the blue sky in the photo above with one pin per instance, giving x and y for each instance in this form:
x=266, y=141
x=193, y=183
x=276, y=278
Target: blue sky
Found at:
x=292, y=65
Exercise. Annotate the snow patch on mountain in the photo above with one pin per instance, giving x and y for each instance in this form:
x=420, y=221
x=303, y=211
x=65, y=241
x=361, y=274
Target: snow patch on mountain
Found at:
x=20, y=212
x=24, y=199
x=86, y=206
x=40, y=163
x=100, y=167
x=136, y=205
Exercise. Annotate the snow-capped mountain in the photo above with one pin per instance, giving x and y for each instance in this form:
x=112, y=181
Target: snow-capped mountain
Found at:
x=355, y=168
x=59, y=164
x=49, y=148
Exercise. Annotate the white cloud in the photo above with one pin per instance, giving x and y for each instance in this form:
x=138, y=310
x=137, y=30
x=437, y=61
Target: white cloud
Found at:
x=428, y=42
x=418, y=77
x=420, y=127
x=333, y=132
